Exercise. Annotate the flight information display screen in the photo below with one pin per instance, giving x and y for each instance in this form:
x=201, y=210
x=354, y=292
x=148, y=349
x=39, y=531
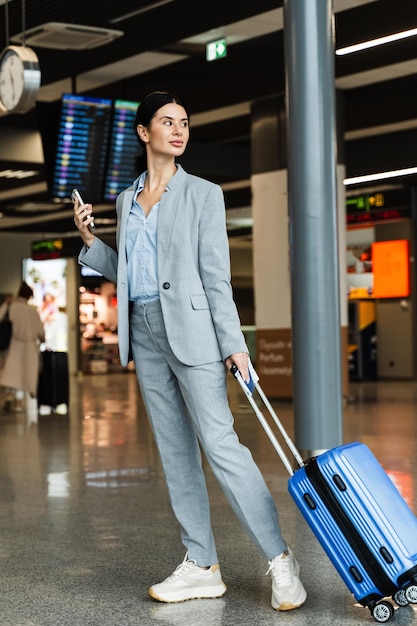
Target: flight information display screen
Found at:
x=81, y=151
x=123, y=149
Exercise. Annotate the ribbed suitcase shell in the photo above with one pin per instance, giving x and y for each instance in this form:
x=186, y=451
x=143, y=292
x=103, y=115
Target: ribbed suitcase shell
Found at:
x=365, y=526
x=356, y=482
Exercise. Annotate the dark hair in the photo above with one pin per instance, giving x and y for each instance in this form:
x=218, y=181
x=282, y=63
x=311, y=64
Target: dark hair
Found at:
x=144, y=114
x=25, y=291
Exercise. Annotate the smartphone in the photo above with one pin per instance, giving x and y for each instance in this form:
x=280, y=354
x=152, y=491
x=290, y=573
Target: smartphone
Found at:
x=75, y=195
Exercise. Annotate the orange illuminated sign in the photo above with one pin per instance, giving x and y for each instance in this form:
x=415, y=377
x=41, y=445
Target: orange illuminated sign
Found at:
x=390, y=266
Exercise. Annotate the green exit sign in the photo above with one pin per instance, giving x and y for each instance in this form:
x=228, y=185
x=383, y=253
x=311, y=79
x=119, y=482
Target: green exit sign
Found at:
x=216, y=50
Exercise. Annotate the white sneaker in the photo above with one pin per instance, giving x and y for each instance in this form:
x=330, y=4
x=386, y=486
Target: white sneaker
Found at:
x=44, y=410
x=287, y=590
x=189, y=582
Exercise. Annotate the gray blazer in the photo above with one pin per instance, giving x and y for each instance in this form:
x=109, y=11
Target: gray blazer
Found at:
x=200, y=315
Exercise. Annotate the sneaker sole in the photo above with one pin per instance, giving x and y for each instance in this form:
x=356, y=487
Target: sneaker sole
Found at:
x=197, y=594
x=289, y=606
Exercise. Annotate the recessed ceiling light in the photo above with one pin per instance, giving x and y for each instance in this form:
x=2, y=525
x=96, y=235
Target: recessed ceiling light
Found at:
x=380, y=41
x=407, y=171
x=18, y=173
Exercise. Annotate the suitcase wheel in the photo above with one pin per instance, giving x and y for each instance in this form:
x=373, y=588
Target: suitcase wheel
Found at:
x=400, y=597
x=411, y=594
x=383, y=611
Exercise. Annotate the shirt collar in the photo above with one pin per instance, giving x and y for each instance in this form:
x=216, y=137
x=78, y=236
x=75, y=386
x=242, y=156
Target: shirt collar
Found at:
x=140, y=182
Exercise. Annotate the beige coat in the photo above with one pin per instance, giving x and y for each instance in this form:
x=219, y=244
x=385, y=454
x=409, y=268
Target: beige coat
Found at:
x=21, y=367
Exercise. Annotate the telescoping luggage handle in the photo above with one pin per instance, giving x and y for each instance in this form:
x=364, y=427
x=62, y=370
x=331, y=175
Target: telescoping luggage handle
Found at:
x=248, y=390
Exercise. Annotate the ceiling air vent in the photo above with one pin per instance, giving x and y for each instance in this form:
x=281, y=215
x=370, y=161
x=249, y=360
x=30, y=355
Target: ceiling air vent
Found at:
x=61, y=36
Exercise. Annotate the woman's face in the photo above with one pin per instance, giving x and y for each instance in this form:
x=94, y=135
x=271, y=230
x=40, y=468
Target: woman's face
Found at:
x=168, y=131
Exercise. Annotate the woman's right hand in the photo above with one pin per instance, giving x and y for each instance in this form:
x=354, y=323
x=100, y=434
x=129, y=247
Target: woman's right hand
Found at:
x=83, y=216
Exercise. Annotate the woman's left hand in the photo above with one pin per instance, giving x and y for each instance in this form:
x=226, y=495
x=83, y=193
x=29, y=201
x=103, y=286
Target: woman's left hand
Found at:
x=241, y=360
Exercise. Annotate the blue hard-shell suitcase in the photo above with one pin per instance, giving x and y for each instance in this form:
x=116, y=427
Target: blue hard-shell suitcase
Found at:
x=363, y=523
x=357, y=514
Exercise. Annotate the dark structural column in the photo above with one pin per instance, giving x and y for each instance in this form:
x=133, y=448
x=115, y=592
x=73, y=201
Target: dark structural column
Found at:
x=310, y=93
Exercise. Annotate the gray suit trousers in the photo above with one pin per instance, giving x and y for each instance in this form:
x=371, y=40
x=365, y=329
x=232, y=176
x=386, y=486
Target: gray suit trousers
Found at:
x=188, y=405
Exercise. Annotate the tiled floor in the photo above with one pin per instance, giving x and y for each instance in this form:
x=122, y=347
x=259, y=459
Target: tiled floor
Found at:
x=86, y=527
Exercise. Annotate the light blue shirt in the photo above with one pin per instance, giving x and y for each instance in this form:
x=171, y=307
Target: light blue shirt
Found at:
x=141, y=240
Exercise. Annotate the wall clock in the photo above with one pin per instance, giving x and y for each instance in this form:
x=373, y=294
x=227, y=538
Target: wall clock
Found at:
x=20, y=79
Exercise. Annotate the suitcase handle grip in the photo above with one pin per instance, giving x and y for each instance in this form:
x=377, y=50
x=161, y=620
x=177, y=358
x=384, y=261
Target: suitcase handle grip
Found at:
x=279, y=449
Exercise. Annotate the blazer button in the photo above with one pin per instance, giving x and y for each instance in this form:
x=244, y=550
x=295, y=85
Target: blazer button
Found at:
x=166, y=285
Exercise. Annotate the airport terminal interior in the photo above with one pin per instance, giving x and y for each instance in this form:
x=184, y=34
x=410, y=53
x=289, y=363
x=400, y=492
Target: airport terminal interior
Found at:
x=85, y=518
x=86, y=526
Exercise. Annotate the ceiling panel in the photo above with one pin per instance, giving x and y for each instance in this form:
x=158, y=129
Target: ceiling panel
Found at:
x=163, y=47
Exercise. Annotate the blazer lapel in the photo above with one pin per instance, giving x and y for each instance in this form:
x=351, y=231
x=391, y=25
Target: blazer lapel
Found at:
x=166, y=217
x=121, y=236
x=168, y=211
x=127, y=203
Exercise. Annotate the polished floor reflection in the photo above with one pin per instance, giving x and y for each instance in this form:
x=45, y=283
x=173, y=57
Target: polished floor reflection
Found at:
x=86, y=524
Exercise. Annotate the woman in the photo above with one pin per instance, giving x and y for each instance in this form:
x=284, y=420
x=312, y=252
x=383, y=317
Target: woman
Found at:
x=21, y=367
x=178, y=321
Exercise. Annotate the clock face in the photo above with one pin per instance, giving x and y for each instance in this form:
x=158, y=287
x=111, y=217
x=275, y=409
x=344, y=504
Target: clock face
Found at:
x=20, y=79
x=11, y=79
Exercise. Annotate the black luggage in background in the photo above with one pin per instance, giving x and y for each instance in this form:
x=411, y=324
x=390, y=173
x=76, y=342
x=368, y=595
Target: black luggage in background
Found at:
x=53, y=385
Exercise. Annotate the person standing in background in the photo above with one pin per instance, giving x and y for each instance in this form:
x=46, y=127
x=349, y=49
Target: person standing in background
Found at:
x=21, y=367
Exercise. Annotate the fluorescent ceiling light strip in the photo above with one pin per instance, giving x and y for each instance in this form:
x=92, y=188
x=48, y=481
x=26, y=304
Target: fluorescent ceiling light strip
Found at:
x=149, y=7
x=380, y=176
x=380, y=41
x=18, y=173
